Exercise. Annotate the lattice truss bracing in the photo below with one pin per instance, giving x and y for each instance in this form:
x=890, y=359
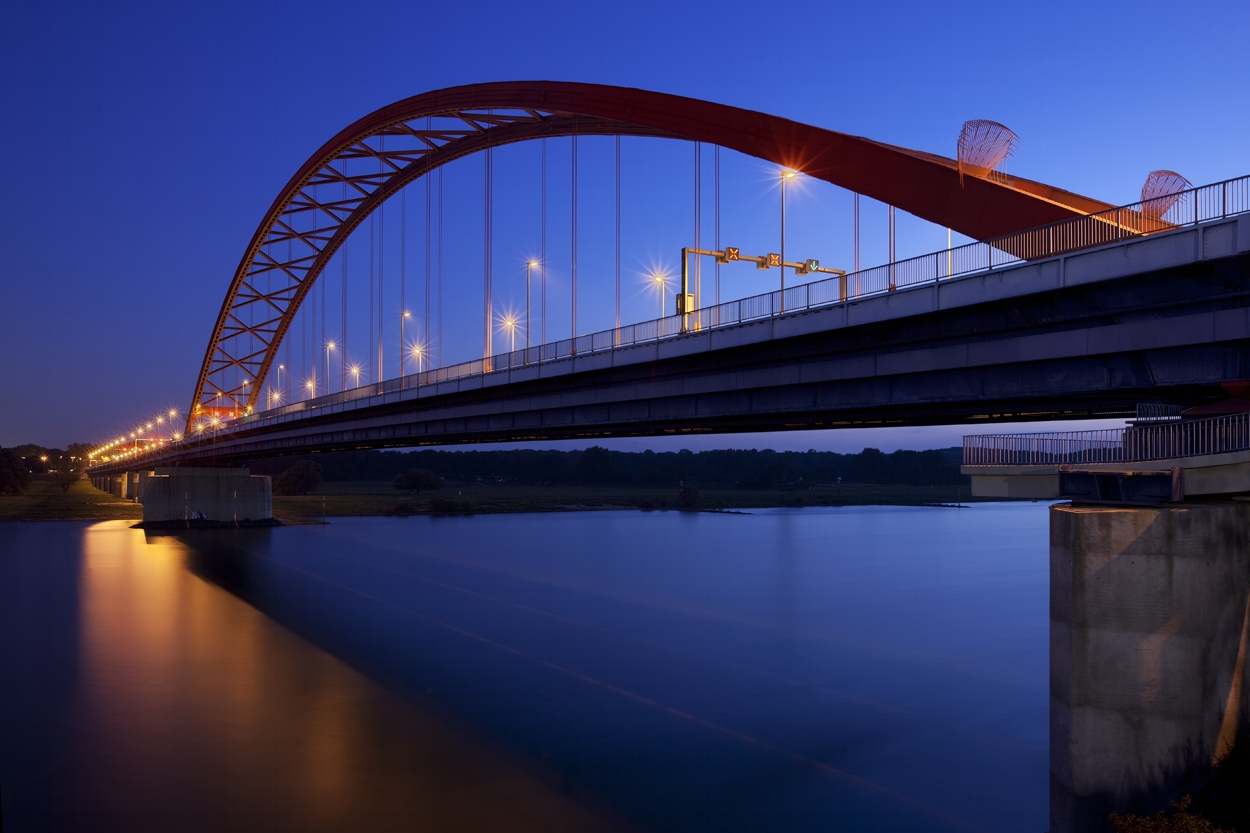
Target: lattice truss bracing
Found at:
x=302, y=232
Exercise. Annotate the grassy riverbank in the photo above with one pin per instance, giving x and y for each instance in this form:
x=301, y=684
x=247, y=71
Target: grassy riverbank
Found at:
x=44, y=500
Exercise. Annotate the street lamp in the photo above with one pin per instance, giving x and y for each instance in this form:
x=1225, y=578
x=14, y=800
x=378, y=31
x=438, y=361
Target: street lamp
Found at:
x=786, y=176
x=528, y=267
x=329, y=347
x=277, y=394
x=355, y=371
x=310, y=386
x=419, y=353
x=403, y=368
x=510, y=323
x=660, y=278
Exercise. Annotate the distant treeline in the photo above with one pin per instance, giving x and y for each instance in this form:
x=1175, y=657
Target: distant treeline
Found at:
x=747, y=468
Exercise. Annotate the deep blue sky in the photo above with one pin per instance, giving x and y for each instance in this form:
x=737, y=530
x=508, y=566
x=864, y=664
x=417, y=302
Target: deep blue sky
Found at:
x=144, y=142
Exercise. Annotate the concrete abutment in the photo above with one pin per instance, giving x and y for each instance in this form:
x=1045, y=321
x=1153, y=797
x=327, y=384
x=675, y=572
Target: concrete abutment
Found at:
x=222, y=495
x=1149, y=613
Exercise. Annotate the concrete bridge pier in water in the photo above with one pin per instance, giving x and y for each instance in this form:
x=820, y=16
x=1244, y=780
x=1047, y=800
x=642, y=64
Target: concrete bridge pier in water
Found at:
x=1148, y=629
x=1149, y=621
x=193, y=493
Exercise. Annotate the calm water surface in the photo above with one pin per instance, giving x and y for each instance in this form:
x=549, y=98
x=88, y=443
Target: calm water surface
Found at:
x=861, y=668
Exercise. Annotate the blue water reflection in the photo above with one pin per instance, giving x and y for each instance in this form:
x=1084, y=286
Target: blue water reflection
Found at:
x=860, y=668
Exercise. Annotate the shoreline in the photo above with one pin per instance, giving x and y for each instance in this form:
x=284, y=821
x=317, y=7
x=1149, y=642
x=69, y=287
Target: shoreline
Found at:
x=44, y=501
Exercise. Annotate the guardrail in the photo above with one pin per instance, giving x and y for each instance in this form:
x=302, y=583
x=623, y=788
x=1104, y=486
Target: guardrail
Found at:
x=1134, y=444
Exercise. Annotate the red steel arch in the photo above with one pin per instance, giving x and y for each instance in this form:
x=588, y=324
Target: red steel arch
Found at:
x=433, y=128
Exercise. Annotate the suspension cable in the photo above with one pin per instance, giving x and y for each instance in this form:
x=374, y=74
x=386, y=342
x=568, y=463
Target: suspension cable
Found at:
x=543, y=247
x=381, y=262
x=425, y=334
x=698, y=223
x=716, y=211
x=323, y=312
x=618, y=237
x=403, y=245
x=573, y=267
x=346, y=240
x=372, y=249
x=440, y=266
x=890, y=222
x=855, y=232
x=891, y=227
x=312, y=313
x=489, y=310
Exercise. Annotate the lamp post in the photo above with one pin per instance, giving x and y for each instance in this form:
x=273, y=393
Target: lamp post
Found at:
x=277, y=395
x=403, y=368
x=660, y=279
x=511, y=325
x=528, y=266
x=245, y=384
x=355, y=371
x=786, y=175
x=419, y=354
x=329, y=347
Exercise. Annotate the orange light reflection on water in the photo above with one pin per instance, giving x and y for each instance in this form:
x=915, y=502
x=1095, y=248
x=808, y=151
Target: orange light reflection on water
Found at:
x=202, y=713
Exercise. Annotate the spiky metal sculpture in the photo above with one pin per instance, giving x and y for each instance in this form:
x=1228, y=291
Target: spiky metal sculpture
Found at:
x=983, y=146
x=1161, y=191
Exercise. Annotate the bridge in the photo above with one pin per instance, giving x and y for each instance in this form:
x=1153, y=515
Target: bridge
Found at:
x=1045, y=316
x=1062, y=307
x=1083, y=335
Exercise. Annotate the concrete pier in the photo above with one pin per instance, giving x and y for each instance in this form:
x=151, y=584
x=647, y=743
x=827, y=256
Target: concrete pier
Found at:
x=222, y=495
x=1149, y=609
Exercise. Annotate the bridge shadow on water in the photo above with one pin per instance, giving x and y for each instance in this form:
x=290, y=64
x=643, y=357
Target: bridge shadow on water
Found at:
x=639, y=704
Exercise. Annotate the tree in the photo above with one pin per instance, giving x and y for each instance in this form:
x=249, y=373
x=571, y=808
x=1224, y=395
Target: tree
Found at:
x=71, y=464
x=34, y=457
x=417, y=480
x=13, y=473
x=688, y=497
x=299, y=479
x=595, y=465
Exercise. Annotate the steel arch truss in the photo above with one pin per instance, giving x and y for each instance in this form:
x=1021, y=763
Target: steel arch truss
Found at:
x=298, y=240
x=372, y=159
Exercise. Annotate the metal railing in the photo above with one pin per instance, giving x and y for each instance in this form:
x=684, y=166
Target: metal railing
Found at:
x=1158, y=412
x=1135, y=444
x=1043, y=449
x=1197, y=205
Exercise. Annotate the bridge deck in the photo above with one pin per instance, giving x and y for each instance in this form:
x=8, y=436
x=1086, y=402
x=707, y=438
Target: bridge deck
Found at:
x=1084, y=334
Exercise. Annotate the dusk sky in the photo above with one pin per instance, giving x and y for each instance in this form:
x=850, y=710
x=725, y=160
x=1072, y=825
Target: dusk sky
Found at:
x=145, y=142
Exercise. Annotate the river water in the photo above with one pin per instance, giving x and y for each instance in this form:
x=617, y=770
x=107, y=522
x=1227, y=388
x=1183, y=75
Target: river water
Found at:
x=857, y=668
